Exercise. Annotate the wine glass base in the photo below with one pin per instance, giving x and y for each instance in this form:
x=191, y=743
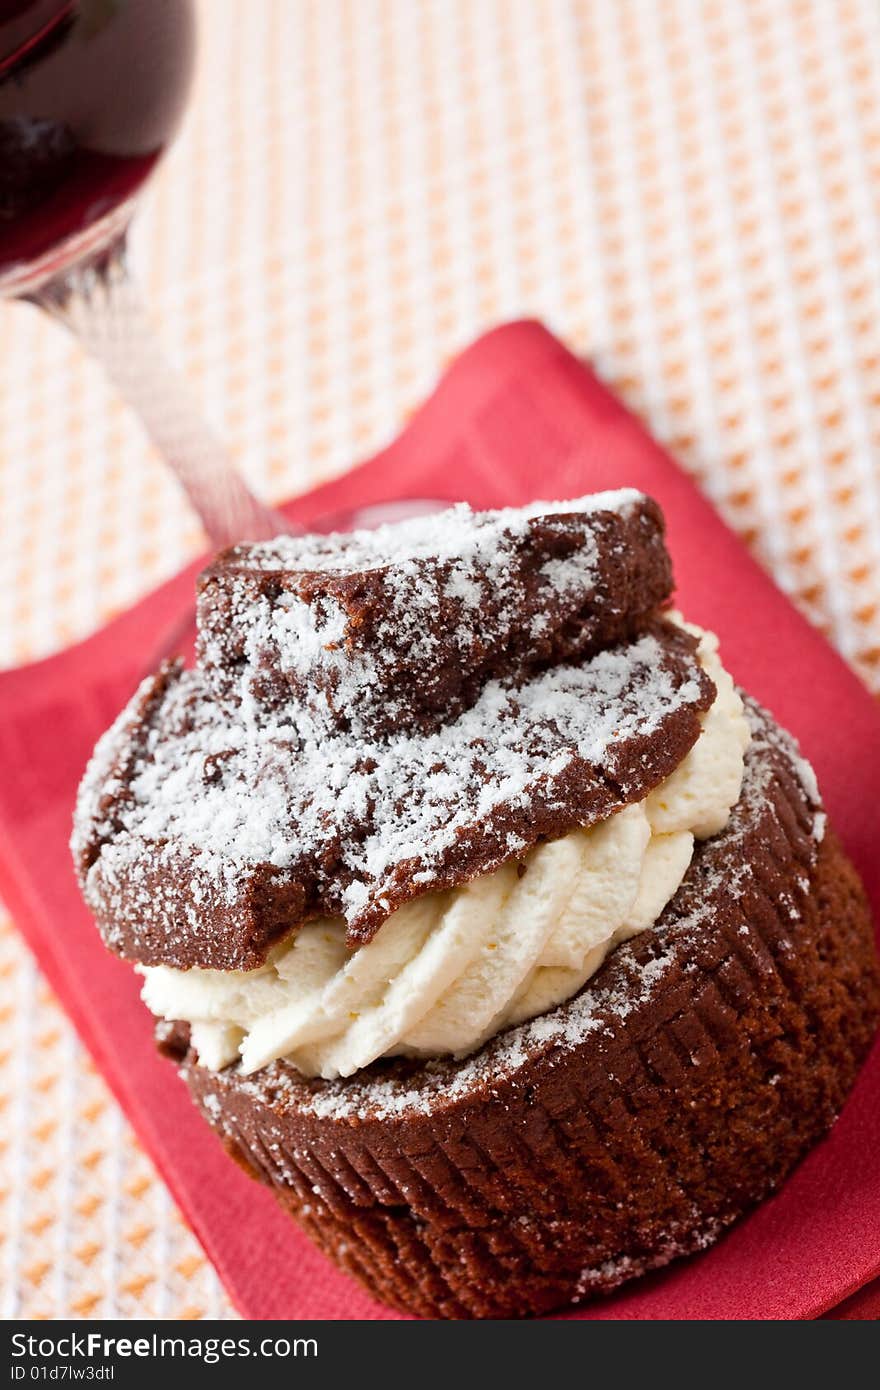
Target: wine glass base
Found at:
x=380, y=514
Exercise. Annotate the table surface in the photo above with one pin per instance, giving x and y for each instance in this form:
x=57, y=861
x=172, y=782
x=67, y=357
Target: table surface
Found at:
x=687, y=193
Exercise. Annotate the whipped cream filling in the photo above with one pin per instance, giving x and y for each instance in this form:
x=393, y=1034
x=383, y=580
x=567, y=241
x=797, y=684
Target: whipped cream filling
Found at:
x=449, y=970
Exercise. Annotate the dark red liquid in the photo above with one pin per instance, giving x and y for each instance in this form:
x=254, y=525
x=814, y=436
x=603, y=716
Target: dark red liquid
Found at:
x=90, y=94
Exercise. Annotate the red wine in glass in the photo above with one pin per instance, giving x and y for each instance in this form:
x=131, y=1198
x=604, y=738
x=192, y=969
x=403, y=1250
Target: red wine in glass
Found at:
x=91, y=93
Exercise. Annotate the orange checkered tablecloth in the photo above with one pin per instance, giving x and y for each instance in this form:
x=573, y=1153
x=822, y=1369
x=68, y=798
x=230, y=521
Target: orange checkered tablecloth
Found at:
x=688, y=192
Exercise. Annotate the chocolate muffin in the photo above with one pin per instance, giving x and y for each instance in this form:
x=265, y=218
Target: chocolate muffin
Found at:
x=486, y=920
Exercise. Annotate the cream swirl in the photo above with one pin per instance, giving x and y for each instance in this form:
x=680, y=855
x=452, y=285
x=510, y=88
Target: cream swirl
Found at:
x=448, y=971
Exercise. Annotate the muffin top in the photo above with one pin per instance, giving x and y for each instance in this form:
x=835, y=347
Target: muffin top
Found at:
x=379, y=716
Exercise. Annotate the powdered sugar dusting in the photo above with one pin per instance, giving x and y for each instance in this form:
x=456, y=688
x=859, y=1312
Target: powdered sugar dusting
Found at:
x=446, y=535
x=233, y=794
x=401, y=626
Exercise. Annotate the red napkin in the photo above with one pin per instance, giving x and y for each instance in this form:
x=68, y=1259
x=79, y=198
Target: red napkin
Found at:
x=516, y=417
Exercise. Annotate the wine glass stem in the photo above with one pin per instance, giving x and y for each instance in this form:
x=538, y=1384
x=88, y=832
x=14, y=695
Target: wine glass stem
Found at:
x=100, y=304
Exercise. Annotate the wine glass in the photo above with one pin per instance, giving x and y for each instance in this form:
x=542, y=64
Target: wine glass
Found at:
x=91, y=93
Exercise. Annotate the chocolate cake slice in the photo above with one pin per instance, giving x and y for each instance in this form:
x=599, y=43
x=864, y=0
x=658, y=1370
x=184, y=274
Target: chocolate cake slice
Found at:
x=200, y=839
x=487, y=921
x=402, y=627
